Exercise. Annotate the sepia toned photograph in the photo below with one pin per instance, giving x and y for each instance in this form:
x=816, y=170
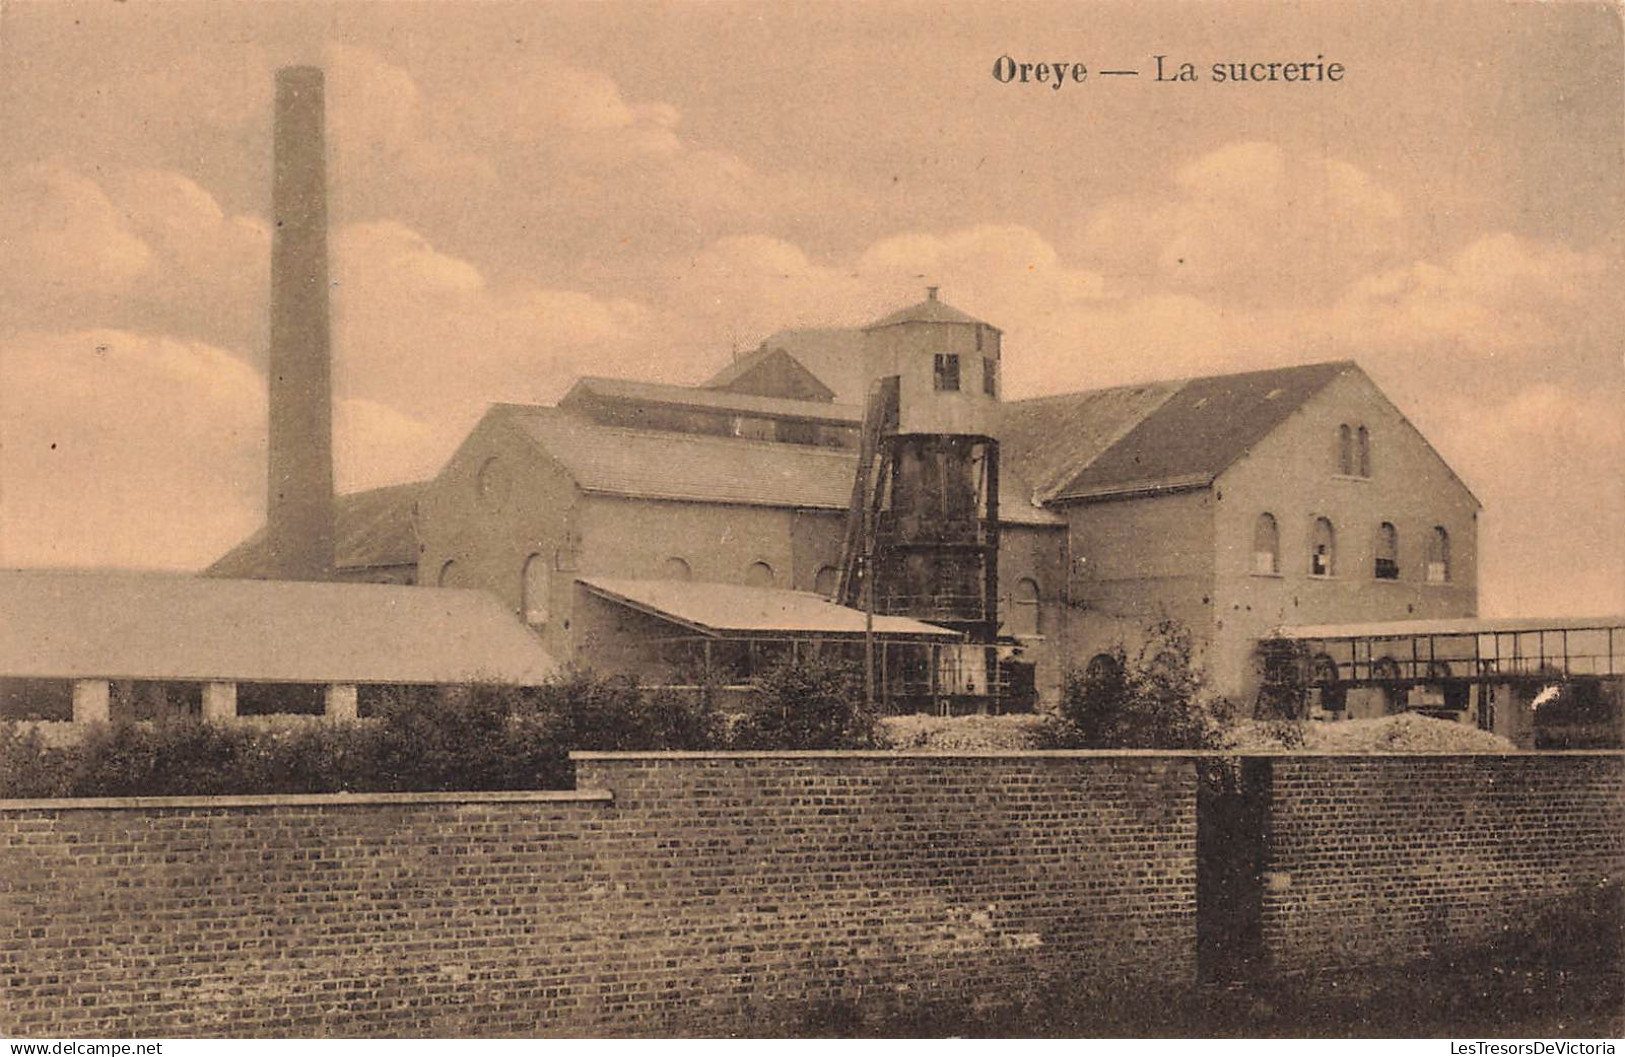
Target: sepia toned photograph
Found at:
x=812, y=520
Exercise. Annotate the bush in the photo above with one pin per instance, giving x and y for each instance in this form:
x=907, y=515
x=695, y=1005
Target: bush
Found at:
x=420, y=739
x=809, y=704
x=1156, y=700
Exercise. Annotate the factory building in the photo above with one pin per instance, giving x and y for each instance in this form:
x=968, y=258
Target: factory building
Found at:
x=869, y=493
x=1042, y=533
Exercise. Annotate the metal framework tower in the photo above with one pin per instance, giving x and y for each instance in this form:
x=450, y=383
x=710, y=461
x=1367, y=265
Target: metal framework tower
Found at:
x=922, y=535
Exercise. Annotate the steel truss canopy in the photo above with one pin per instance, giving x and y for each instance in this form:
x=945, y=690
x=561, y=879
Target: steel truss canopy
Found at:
x=1464, y=649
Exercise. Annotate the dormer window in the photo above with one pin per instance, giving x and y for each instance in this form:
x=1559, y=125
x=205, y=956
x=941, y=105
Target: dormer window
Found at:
x=946, y=376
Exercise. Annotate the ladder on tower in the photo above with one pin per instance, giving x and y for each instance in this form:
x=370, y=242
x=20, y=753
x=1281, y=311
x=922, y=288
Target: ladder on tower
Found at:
x=868, y=489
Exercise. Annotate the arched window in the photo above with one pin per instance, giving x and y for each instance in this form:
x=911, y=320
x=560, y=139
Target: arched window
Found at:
x=759, y=574
x=1439, y=556
x=1385, y=672
x=676, y=569
x=1103, y=668
x=1025, y=611
x=1266, y=546
x=533, y=588
x=449, y=575
x=827, y=580
x=1362, y=451
x=1323, y=549
x=1323, y=680
x=1345, y=450
x=1387, y=550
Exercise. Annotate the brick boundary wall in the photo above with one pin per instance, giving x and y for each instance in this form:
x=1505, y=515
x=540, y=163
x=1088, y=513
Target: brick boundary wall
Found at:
x=1375, y=860
x=696, y=894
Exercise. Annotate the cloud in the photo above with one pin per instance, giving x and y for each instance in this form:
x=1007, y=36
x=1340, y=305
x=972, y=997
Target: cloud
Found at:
x=425, y=332
x=1545, y=461
x=122, y=448
x=66, y=237
x=138, y=247
x=1251, y=224
x=1499, y=294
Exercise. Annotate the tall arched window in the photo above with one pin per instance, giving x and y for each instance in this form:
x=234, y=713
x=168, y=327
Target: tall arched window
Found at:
x=1266, y=546
x=1345, y=450
x=533, y=590
x=1387, y=550
x=1025, y=615
x=1362, y=452
x=1323, y=549
x=677, y=569
x=449, y=576
x=827, y=580
x=1439, y=556
x=759, y=574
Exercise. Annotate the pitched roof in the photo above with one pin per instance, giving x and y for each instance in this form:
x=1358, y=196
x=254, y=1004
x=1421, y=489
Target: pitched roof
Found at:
x=683, y=396
x=63, y=624
x=766, y=368
x=1051, y=438
x=833, y=355
x=372, y=528
x=1161, y=437
x=931, y=310
x=707, y=469
x=729, y=609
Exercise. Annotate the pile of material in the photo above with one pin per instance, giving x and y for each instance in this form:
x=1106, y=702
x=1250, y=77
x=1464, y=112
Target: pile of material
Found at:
x=969, y=733
x=1406, y=732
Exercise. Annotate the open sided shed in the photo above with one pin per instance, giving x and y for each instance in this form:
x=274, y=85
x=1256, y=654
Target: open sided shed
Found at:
x=94, y=628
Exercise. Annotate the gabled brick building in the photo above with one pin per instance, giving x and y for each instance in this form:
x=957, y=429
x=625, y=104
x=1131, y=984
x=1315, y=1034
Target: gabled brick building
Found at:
x=1235, y=504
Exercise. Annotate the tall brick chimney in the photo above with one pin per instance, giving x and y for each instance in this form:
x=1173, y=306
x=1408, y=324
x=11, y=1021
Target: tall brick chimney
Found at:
x=299, y=505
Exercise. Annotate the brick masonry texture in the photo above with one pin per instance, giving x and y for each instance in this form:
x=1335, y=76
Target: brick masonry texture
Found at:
x=712, y=894
x=1373, y=860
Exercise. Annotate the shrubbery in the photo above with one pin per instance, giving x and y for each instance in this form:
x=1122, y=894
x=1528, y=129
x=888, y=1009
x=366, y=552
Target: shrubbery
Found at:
x=1156, y=699
x=494, y=737
x=429, y=739
x=812, y=704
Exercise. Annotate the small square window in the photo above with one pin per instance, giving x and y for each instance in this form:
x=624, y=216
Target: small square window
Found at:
x=947, y=372
x=990, y=377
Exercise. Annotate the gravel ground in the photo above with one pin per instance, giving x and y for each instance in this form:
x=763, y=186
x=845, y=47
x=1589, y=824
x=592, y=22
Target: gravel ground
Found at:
x=1406, y=732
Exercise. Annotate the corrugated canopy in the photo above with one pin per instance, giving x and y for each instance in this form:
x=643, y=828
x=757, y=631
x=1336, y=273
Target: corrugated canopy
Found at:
x=1446, y=626
x=58, y=624
x=762, y=612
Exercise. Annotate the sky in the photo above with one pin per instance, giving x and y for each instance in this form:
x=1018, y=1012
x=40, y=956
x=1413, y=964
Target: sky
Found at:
x=523, y=193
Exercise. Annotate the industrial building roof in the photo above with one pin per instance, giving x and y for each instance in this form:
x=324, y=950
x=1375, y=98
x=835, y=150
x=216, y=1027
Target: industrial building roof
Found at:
x=728, y=609
x=61, y=624
x=761, y=365
x=1159, y=437
x=931, y=310
x=684, y=396
x=833, y=355
x=1052, y=437
x=706, y=469
x=371, y=529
